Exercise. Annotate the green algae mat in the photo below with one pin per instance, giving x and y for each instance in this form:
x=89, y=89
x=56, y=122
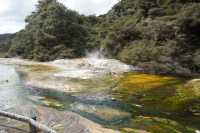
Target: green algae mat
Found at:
x=160, y=104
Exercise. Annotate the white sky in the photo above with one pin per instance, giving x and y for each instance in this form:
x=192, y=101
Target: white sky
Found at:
x=13, y=12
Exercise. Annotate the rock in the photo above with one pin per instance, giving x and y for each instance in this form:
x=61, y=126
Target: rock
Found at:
x=104, y=113
x=68, y=122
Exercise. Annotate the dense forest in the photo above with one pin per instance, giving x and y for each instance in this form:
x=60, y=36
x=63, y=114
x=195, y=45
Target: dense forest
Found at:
x=160, y=36
x=5, y=42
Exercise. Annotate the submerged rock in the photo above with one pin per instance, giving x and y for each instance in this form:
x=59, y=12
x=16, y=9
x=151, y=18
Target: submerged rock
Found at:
x=103, y=113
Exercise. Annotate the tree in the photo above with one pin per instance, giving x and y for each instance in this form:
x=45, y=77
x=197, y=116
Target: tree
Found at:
x=50, y=26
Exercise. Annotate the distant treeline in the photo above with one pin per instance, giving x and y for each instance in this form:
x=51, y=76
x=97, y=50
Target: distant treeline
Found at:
x=160, y=36
x=5, y=42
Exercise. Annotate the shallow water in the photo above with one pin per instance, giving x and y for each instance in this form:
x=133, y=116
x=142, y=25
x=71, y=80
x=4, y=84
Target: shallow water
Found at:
x=134, y=101
x=11, y=88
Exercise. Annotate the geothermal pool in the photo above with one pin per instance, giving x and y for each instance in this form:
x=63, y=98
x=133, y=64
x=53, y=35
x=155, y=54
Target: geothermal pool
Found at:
x=127, y=100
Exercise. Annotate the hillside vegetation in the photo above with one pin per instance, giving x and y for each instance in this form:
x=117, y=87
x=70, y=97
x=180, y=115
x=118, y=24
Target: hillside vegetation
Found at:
x=160, y=36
